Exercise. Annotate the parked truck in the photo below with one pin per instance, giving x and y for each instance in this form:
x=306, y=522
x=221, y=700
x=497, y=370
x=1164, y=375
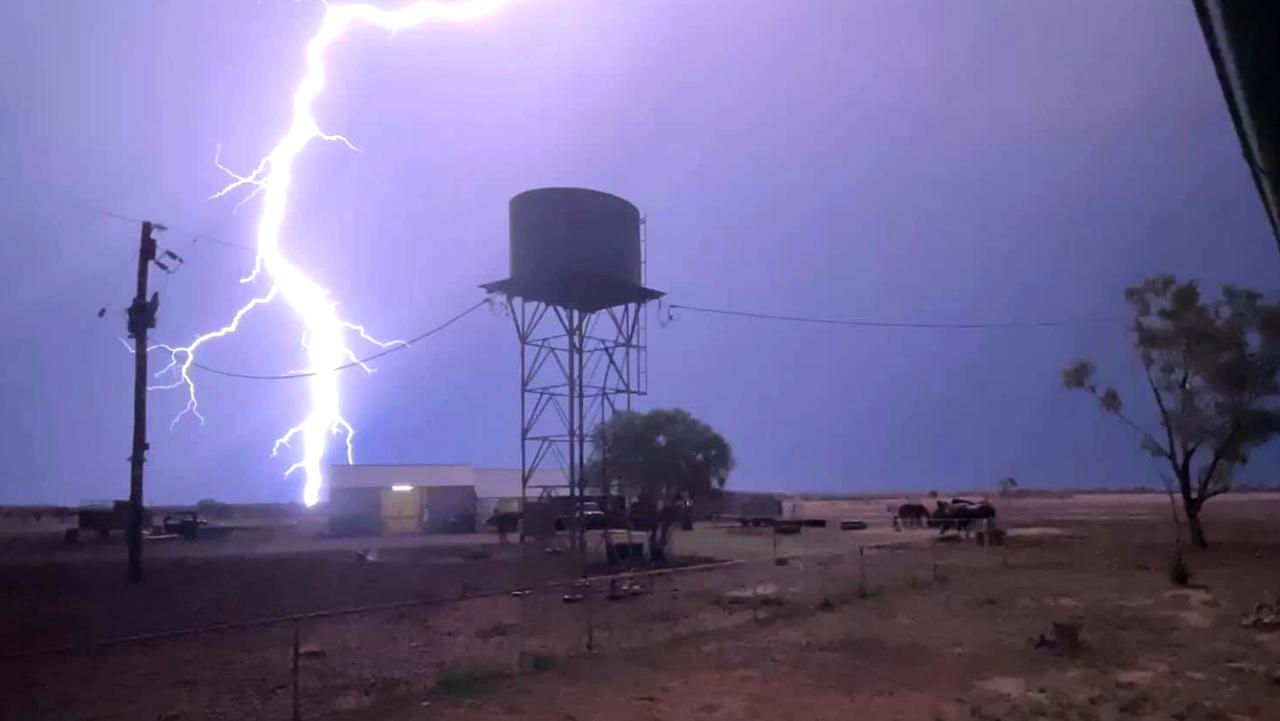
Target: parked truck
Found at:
x=191, y=526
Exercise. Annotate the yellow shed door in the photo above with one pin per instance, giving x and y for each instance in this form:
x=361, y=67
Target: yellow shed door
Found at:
x=402, y=511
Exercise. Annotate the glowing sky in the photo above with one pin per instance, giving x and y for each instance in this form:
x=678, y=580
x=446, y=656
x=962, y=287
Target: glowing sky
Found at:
x=906, y=161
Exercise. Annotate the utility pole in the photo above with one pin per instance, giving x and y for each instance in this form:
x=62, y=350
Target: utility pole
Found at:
x=142, y=317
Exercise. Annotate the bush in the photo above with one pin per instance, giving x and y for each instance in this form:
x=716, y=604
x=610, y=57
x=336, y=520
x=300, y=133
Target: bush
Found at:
x=468, y=680
x=213, y=508
x=543, y=662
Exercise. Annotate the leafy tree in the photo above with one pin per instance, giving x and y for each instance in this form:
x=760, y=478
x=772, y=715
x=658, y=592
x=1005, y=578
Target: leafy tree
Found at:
x=1213, y=367
x=665, y=459
x=214, y=508
x=1007, y=485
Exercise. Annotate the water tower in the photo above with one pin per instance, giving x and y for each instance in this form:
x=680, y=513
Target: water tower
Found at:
x=577, y=296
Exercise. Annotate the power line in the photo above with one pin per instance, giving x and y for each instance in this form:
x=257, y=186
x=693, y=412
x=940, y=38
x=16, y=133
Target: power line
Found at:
x=196, y=237
x=892, y=324
x=291, y=376
x=118, y=216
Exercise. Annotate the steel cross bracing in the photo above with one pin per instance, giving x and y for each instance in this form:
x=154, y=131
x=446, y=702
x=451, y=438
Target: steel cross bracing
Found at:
x=576, y=369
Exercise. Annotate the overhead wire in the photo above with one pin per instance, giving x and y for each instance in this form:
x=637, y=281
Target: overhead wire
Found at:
x=196, y=236
x=664, y=321
x=360, y=362
x=862, y=323
x=851, y=322
x=118, y=216
x=673, y=306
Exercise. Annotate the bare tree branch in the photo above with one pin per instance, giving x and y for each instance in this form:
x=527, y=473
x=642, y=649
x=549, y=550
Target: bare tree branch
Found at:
x=1189, y=452
x=1164, y=418
x=1205, y=482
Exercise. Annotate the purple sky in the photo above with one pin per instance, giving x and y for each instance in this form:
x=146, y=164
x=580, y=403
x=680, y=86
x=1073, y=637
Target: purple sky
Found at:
x=915, y=161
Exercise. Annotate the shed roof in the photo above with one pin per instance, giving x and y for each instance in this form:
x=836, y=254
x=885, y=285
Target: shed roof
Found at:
x=1244, y=42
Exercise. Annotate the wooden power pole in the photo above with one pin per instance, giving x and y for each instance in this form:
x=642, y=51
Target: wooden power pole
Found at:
x=142, y=317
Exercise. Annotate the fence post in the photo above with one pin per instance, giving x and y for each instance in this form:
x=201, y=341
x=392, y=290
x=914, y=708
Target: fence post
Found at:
x=755, y=600
x=862, y=573
x=521, y=631
x=1004, y=548
x=297, y=652
x=589, y=596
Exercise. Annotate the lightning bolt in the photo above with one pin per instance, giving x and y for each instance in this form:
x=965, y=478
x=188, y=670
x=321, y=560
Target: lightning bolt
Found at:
x=324, y=331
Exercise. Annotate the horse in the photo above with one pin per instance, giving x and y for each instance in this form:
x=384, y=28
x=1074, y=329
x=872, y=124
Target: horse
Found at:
x=505, y=522
x=912, y=515
x=961, y=516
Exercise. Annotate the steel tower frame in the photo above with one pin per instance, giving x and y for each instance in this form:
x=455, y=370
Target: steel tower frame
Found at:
x=576, y=369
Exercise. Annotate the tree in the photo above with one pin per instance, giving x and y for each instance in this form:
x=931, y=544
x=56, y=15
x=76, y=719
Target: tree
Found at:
x=1007, y=485
x=1213, y=367
x=213, y=508
x=665, y=459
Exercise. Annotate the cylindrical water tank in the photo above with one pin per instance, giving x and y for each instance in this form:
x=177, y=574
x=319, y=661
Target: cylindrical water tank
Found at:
x=559, y=235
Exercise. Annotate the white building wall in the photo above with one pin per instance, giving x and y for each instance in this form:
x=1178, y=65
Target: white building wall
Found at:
x=488, y=482
x=497, y=482
x=385, y=476
x=505, y=482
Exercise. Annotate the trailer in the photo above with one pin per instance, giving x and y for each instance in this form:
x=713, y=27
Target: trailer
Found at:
x=103, y=518
x=760, y=511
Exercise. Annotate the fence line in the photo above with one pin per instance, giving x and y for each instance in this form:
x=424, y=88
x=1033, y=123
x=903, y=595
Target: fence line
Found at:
x=396, y=605
x=726, y=594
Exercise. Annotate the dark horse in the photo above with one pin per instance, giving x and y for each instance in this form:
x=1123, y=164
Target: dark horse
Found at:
x=961, y=516
x=913, y=515
x=505, y=522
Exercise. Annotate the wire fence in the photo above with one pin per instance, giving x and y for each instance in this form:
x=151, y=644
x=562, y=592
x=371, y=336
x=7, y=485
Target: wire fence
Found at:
x=313, y=665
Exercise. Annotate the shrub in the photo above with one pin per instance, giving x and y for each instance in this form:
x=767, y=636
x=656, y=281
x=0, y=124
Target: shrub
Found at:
x=543, y=662
x=468, y=680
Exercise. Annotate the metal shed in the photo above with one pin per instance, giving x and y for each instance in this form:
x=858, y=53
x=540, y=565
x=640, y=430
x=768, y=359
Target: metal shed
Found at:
x=391, y=499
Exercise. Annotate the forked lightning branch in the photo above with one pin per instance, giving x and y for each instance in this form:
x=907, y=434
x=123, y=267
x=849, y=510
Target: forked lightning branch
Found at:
x=325, y=333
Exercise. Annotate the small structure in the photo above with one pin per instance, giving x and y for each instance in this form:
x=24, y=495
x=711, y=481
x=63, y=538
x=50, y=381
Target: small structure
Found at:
x=394, y=499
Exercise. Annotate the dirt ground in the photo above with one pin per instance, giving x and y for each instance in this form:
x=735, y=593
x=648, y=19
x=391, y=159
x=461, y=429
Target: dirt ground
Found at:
x=67, y=598
x=966, y=648
x=921, y=630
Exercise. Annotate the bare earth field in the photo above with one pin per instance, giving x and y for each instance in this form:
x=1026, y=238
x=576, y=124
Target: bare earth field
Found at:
x=914, y=630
